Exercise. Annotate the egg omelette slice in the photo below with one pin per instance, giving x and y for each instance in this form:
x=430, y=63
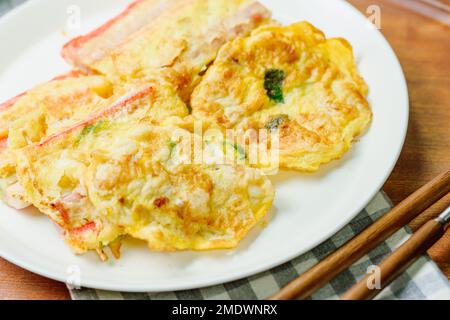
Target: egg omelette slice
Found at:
x=44, y=110
x=67, y=96
x=180, y=42
x=51, y=109
x=292, y=81
x=81, y=52
x=119, y=175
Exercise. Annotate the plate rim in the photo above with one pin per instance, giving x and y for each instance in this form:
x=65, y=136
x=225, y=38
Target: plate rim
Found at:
x=101, y=285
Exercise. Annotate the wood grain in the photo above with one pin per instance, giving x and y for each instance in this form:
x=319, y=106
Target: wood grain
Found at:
x=398, y=262
x=422, y=46
x=19, y=284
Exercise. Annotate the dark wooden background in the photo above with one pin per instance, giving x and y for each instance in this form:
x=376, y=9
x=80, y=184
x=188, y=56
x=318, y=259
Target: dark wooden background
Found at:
x=423, y=46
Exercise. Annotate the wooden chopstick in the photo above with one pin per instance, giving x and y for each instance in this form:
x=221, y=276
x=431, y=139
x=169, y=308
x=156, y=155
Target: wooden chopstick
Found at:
x=379, y=231
x=400, y=260
x=431, y=213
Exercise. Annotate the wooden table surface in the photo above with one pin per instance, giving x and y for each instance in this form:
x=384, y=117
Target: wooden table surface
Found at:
x=423, y=47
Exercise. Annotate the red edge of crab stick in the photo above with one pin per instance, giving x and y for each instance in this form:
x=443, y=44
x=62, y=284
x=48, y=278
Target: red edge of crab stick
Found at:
x=3, y=143
x=91, y=226
x=122, y=103
x=73, y=51
x=79, y=41
x=11, y=102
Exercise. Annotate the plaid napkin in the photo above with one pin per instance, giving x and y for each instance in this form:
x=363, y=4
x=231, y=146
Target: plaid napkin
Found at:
x=422, y=281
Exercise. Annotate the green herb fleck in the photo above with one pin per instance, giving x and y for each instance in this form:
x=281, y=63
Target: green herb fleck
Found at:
x=273, y=83
x=276, y=122
x=241, y=151
x=172, y=145
x=238, y=149
x=91, y=129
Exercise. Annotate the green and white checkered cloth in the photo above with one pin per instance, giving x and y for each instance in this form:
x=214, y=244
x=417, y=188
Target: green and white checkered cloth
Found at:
x=422, y=281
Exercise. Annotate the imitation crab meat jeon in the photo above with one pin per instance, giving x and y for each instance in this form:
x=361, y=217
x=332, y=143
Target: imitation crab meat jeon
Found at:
x=147, y=32
x=83, y=51
x=56, y=106
x=180, y=39
x=291, y=81
x=104, y=155
x=42, y=111
x=116, y=174
x=68, y=97
x=164, y=40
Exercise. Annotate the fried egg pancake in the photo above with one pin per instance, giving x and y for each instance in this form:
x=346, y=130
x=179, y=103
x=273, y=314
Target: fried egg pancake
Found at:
x=107, y=155
x=59, y=99
x=42, y=111
x=291, y=81
x=122, y=176
x=61, y=106
x=83, y=51
x=181, y=41
x=52, y=107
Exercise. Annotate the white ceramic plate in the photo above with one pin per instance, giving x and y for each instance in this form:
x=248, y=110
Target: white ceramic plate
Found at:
x=308, y=208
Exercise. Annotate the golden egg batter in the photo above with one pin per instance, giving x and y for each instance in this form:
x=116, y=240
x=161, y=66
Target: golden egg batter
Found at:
x=120, y=175
x=105, y=156
x=293, y=81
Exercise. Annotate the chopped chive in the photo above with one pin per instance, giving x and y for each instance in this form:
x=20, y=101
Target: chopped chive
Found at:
x=276, y=122
x=273, y=83
x=91, y=129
